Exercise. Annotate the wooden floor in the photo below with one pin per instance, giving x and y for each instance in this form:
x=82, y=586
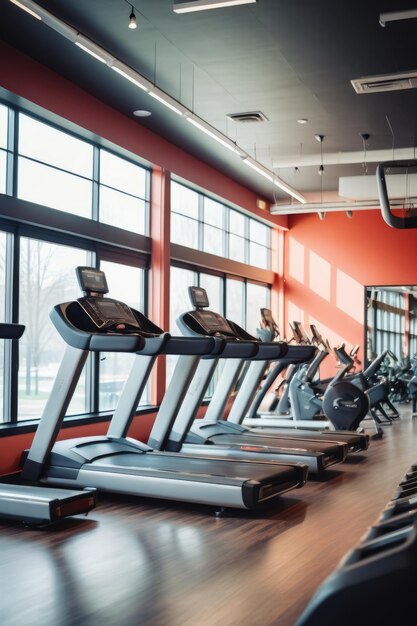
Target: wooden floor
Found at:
x=134, y=562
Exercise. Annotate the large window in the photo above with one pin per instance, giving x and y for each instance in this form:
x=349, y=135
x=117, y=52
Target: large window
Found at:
x=54, y=169
x=257, y=297
x=60, y=171
x=3, y=147
x=122, y=193
x=2, y=315
x=47, y=277
x=180, y=280
x=126, y=284
x=200, y=222
x=184, y=216
x=65, y=172
x=237, y=299
x=385, y=322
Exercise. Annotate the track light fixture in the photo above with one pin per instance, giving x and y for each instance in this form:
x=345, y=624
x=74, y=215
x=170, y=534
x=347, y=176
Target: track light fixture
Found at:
x=132, y=19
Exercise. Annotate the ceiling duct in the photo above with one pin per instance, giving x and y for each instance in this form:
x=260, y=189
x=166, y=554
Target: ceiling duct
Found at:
x=385, y=82
x=249, y=116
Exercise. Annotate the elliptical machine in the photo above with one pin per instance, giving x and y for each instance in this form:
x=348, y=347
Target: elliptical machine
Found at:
x=304, y=404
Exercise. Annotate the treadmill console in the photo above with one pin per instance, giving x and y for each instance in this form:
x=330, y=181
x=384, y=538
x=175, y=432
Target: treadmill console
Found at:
x=105, y=313
x=213, y=323
x=268, y=320
x=299, y=333
x=198, y=296
x=109, y=314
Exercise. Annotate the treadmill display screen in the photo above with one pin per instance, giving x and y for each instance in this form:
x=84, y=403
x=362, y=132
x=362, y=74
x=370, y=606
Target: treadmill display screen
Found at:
x=92, y=280
x=198, y=296
x=213, y=323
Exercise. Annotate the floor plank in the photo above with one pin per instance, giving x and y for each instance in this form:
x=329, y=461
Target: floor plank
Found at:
x=144, y=562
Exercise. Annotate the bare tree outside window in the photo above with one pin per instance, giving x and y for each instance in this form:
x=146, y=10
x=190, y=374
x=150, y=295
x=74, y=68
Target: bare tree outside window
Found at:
x=47, y=277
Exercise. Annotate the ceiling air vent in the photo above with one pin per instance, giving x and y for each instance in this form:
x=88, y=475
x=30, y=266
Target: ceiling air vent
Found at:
x=385, y=82
x=248, y=116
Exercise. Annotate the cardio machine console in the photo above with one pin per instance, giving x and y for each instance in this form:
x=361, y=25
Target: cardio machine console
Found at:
x=109, y=314
x=105, y=313
x=211, y=323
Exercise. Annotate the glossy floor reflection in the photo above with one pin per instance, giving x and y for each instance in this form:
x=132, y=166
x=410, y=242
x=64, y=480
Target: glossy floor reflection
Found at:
x=135, y=561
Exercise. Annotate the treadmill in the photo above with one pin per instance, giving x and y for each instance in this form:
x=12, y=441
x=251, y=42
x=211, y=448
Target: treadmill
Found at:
x=114, y=462
x=35, y=505
x=215, y=436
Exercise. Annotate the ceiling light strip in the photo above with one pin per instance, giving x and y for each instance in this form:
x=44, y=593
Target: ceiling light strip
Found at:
x=184, y=6
x=25, y=7
x=212, y=132
x=394, y=16
x=137, y=79
x=167, y=101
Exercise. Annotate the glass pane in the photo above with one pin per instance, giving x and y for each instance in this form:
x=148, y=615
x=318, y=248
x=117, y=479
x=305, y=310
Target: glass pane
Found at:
x=213, y=240
x=3, y=126
x=257, y=297
x=179, y=302
x=180, y=280
x=118, y=209
x=2, y=317
x=213, y=212
x=237, y=223
x=50, y=145
x=47, y=277
x=237, y=248
x=50, y=187
x=121, y=174
x=184, y=200
x=214, y=287
x=126, y=284
x=258, y=255
x=3, y=171
x=184, y=231
x=259, y=232
x=235, y=300
x=3, y=240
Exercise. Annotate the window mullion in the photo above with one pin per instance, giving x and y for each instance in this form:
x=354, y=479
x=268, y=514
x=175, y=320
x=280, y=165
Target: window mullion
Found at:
x=95, y=214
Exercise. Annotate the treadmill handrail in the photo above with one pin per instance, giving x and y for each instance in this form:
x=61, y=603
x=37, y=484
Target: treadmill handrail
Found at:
x=11, y=331
x=392, y=220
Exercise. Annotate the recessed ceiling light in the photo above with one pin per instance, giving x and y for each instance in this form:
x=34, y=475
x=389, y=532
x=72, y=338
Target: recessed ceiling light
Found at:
x=142, y=113
x=302, y=120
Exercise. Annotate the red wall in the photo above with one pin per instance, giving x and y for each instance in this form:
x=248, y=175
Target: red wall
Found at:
x=328, y=262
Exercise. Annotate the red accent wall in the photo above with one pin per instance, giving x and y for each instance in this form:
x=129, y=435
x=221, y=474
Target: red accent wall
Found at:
x=328, y=262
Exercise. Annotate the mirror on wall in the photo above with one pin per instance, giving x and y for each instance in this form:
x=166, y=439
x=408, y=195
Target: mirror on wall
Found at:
x=391, y=322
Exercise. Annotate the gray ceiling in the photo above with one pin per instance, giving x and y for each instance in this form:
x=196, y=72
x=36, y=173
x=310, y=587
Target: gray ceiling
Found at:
x=289, y=59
